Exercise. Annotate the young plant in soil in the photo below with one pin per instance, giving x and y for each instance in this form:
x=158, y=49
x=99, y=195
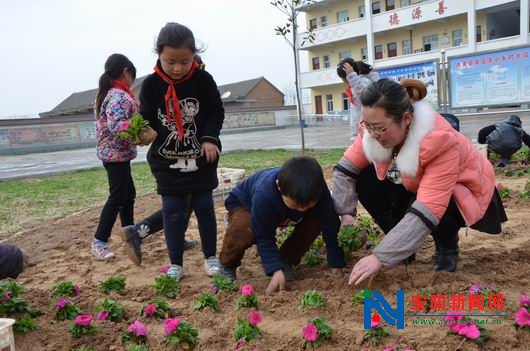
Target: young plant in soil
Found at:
x=358, y=298
x=166, y=286
x=466, y=327
x=504, y=191
x=135, y=334
x=109, y=310
x=351, y=238
x=156, y=309
x=180, y=335
x=247, y=329
x=247, y=299
x=372, y=230
x=374, y=335
x=112, y=284
x=82, y=325
x=14, y=306
x=313, y=298
x=312, y=258
x=65, y=309
x=65, y=289
x=316, y=331
x=206, y=300
x=222, y=283
x=522, y=316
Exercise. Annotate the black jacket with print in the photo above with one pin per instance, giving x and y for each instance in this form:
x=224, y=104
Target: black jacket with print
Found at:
x=177, y=165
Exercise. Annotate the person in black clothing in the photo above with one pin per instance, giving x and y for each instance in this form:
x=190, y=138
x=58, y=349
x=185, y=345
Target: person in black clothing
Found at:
x=13, y=260
x=504, y=138
x=294, y=195
x=182, y=104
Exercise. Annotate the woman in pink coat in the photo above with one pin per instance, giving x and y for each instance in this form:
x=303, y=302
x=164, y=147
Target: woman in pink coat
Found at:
x=416, y=176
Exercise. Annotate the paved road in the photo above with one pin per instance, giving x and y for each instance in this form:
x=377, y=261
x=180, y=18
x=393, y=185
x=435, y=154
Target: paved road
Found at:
x=331, y=136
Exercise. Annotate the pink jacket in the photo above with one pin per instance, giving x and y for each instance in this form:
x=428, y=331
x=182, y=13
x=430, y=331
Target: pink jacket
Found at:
x=436, y=162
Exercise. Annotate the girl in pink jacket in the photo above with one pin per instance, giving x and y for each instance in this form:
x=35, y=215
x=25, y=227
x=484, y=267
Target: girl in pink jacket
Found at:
x=416, y=176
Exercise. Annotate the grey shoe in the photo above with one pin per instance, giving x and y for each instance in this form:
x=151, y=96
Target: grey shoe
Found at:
x=131, y=238
x=229, y=273
x=188, y=244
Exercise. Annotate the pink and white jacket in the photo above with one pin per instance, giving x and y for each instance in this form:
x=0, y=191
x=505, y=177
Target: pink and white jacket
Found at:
x=436, y=162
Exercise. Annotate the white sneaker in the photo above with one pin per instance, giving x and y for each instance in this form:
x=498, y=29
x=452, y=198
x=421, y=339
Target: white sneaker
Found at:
x=176, y=272
x=101, y=250
x=211, y=266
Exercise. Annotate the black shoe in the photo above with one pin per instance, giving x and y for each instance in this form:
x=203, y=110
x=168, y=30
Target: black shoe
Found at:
x=445, y=260
x=131, y=238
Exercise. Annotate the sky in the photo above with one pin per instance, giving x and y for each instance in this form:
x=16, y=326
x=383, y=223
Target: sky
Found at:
x=50, y=49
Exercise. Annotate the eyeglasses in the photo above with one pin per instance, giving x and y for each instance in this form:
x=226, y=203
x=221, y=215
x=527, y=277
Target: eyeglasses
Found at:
x=377, y=131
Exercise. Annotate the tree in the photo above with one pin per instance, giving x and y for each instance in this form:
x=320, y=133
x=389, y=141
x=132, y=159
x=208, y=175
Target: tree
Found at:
x=289, y=31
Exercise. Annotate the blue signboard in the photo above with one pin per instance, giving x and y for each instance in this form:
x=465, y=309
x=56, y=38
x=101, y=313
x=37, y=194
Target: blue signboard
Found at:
x=494, y=78
x=427, y=72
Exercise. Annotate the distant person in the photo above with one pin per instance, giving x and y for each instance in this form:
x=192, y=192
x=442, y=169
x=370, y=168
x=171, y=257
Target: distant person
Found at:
x=293, y=194
x=182, y=104
x=115, y=105
x=13, y=261
x=504, y=138
x=356, y=75
x=133, y=235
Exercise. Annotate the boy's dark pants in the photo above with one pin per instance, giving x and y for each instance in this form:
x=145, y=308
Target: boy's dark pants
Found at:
x=239, y=237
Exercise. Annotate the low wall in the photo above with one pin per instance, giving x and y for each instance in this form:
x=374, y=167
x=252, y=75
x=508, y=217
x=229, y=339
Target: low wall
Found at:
x=19, y=136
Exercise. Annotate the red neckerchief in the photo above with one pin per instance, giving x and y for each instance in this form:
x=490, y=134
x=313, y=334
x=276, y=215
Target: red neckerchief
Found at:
x=349, y=94
x=120, y=84
x=171, y=93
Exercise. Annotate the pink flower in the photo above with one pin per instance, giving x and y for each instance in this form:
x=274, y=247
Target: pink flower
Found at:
x=522, y=317
x=470, y=331
x=375, y=324
x=247, y=290
x=170, y=325
x=310, y=332
x=454, y=316
x=500, y=187
x=125, y=125
x=164, y=269
x=103, y=315
x=137, y=328
x=83, y=320
x=524, y=300
x=254, y=317
x=213, y=289
x=150, y=310
x=475, y=288
x=61, y=303
x=7, y=297
x=238, y=346
x=77, y=290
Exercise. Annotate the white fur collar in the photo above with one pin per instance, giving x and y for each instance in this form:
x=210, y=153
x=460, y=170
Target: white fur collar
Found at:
x=407, y=160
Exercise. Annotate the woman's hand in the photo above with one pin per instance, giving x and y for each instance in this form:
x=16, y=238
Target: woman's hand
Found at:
x=364, y=268
x=210, y=150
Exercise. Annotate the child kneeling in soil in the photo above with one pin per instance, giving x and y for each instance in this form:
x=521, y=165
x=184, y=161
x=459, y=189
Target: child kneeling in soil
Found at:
x=295, y=194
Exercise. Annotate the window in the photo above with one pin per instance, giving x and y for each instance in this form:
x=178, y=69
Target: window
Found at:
x=329, y=102
x=327, y=63
x=344, y=54
x=312, y=23
x=378, y=52
x=324, y=21
x=376, y=7
x=406, y=47
x=457, y=37
x=392, y=49
x=362, y=11
x=430, y=42
x=343, y=16
x=404, y=3
x=316, y=63
x=390, y=5
x=345, y=102
x=479, y=34
x=364, y=54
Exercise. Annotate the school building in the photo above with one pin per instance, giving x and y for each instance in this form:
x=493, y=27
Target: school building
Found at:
x=396, y=34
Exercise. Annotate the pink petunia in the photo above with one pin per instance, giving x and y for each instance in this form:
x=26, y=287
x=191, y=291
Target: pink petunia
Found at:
x=150, y=309
x=522, y=317
x=103, y=315
x=61, y=303
x=470, y=331
x=83, y=320
x=164, y=269
x=7, y=296
x=474, y=289
x=247, y=290
x=170, y=325
x=125, y=125
x=524, y=300
x=238, y=346
x=137, y=328
x=374, y=324
x=213, y=289
x=254, y=317
x=500, y=187
x=310, y=332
